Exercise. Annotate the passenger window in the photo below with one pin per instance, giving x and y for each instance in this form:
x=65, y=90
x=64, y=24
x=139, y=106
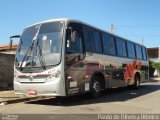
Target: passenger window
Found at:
x=74, y=38
x=121, y=47
x=131, y=50
x=97, y=42
x=108, y=44
x=144, y=53
x=74, y=44
x=112, y=46
x=138, y=52
x=88, y=40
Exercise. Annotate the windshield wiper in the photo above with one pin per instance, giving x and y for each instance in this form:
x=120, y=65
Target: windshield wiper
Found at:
x=40, y=55
x=25, y=56
x=29, y=51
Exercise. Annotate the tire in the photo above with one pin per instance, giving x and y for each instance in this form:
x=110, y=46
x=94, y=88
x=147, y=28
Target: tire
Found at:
x=136, y=82
x=96, y=86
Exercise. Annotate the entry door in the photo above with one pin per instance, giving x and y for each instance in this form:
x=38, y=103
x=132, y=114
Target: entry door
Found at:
x=74, y=64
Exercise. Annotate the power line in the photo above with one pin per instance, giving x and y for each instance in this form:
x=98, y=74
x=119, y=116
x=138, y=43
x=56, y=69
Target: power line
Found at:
x=138, y=26
x=146, y=36
x=114, y=27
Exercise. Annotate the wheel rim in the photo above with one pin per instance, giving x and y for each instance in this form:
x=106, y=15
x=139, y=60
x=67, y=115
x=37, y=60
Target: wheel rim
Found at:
x=96, y=86
x=137, y=82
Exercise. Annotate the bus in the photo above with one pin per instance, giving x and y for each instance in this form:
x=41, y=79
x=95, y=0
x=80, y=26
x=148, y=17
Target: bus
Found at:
x=65, y=57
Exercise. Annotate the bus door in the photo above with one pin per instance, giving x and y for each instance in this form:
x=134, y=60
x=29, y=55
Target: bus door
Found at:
x=74, y=64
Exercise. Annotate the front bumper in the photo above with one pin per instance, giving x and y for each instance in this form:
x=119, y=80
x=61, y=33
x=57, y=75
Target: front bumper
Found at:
x=51, y=88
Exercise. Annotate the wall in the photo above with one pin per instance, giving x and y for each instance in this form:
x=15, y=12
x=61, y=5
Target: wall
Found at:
x=6, y=70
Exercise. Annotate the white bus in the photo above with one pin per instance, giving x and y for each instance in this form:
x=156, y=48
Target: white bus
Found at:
x=64, y=57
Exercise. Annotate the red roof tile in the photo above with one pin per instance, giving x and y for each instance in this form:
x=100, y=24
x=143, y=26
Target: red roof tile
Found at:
x=7, y=47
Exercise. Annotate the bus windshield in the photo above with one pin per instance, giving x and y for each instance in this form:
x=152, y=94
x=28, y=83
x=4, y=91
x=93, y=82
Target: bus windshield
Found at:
x=40, y=46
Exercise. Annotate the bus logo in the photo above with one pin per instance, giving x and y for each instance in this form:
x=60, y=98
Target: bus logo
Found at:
x=31, y=78
x=129, y=72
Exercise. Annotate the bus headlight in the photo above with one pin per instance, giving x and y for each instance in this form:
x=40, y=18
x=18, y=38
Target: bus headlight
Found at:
x=16, y=78
x=53, y=76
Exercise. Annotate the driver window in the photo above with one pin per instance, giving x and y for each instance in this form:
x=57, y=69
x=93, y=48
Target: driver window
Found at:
x=74, y=44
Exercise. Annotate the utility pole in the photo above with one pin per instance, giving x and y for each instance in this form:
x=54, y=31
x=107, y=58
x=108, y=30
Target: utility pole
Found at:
x=112, y=28
x=143, y=41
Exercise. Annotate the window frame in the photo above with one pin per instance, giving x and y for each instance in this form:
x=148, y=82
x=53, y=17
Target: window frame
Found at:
x=136, y=45
x=131, y=43
x=143, y=48
x=78, y=29
x=111, y=37
x=86, y=29
x=93, y=38
x=114, y=37
x=121, y=40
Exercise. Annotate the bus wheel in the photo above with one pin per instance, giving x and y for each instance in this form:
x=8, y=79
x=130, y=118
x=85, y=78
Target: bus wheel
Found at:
x=96, y=87
x=136, y=82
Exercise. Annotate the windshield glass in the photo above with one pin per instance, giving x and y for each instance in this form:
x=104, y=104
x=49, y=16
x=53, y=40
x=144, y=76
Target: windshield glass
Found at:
x=40, y=45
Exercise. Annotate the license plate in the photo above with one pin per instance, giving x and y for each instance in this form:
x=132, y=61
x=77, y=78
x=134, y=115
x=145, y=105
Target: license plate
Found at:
x=31, y=92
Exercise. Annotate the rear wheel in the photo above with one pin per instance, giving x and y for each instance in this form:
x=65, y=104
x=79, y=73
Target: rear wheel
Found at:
x=136, y=82
x=96, y=87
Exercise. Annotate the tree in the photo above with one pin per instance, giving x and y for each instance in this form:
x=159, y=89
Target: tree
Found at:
x=156, y=65
x=151, y=69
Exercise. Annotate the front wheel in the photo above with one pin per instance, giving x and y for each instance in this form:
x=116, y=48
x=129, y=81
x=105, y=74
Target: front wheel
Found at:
x=96, y=87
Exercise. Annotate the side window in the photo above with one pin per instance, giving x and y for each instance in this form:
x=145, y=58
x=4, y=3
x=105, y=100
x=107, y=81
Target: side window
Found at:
x=138, y=52
x=97, y=42
x=74, y=39
x=112, y=46
x=75, y=46
x=108, y=44
x=144, y=53
x=131, y=50
x=121, y=47
x=88, y=40
x=124, y=48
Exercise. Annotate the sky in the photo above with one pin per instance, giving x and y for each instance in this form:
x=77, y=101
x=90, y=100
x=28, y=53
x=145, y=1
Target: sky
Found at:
x=132, y=19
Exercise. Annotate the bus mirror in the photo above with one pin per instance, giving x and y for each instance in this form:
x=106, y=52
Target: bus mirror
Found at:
x=73, y=36
x=11, y=40
x=14, y=37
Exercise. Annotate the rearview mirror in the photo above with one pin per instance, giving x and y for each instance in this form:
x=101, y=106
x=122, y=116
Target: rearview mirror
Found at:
x=11, y=40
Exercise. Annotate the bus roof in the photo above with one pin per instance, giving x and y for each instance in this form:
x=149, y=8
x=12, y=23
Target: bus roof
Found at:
x=78, y=21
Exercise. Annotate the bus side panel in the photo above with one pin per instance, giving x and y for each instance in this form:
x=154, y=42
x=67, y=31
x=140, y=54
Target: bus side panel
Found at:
x=79, y=73
x=75, y=73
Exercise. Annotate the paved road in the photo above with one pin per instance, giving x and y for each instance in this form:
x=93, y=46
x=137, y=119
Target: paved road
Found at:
x=118, y=100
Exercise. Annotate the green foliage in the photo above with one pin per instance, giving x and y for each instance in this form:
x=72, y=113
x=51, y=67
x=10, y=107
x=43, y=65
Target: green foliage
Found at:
x=156, y=65
x=151, y=69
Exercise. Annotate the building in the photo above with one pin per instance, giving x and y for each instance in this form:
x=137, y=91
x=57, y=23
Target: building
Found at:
x=8, y=49
x=154, y=56
x=7, y=56
x=154, y=53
